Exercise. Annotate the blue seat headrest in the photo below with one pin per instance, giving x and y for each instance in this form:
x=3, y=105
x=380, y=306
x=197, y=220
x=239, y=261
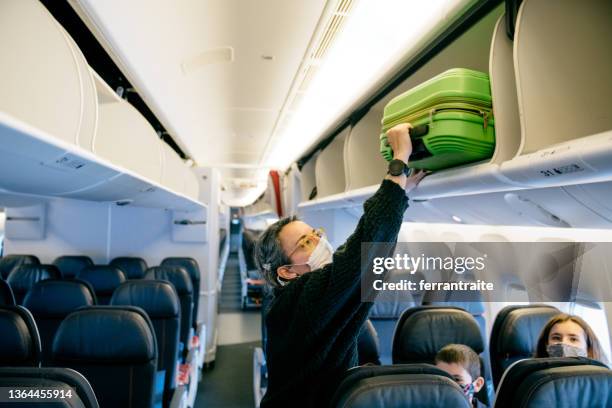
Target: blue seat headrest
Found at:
x=176, y=275
x=19, y=341
x=157, y=298
x=189, y=264
x=422, y=331
x=103, y=278
x=419, y=385
x=11, y=262
x=71, y=265
x=57, y=298
x=521, y=329
x=132, y=267
x=6, y=294
x=581, y=386
x=517, y=373
x=105, y=334
x=25, y=276
x=51, y=377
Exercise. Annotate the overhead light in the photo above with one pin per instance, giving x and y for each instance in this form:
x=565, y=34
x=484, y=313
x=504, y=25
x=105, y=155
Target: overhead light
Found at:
x=457, y=219
x=376, y=36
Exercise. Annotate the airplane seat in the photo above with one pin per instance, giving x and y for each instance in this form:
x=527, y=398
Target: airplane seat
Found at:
x=193, y=269
x=71, y=265
x=24, y=277
x=131, y=266
x=404, y=385
x=9, y=263
x=414, y=341
x=386, y=312
x=20, y=341
x=6, y=294
x=51, y=378
x=368, y=346
x=520, y=372
x=514, y=335
x=251, y=278
x=103, y=279
x=473, y=303
x=115, y=348
x=161, y=303
x=179, y=278
x=50, y=301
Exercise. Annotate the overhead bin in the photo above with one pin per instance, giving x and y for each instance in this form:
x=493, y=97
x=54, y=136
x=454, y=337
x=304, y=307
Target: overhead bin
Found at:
x=563, y=71
x=44, y=78
x=329, y=167
x=308, y=179
x=362, y=168
x=126, y=138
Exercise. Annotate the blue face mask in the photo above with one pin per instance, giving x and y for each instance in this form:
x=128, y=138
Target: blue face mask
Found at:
x=468, y=390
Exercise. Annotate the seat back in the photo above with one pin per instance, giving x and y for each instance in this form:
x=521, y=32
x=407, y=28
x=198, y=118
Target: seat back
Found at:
x=19, y=339
x=192, y=268
x=404, y=385
x=50, y=301
x=132, y=267
x=24, y=277
x=50, y=378
x=114, y=347
x=6, y=294
x=368, y=347
x=179, y=278
x=515, y=335
x=414, y=341
x=71, y=265
x=9, y=263
x=518, y=372
x=388, y=308
x=103, y=279
x=161, y=303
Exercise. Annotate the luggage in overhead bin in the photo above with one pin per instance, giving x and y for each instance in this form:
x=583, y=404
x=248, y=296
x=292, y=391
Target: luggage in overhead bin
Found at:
x=452, y=118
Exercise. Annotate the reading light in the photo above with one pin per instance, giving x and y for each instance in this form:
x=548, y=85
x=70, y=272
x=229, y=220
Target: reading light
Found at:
x=376, y=36
x=457, y=219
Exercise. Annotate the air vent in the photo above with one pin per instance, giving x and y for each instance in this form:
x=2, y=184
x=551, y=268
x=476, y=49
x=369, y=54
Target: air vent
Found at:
x=208, y=57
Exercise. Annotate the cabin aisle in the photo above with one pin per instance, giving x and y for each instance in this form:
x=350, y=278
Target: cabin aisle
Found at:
x=230, y=382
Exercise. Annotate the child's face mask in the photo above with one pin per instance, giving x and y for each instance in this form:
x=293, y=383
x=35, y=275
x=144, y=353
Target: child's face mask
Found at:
x=565, y=350
x=468, y=390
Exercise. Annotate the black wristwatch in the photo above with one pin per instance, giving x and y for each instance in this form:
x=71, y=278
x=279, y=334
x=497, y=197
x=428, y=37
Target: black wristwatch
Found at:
x=398, y=167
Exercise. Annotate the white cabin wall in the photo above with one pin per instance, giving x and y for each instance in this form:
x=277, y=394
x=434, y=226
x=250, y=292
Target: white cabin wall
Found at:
x=72, y=227
x=209, y=180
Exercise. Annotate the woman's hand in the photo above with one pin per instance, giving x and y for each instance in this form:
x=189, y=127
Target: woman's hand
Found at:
x=400, y=142
x=415, y=178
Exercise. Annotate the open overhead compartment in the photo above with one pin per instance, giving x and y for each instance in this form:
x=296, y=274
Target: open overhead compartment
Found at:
x=291, y=185
x=362, y=167
x=329, y=167
x=308, y=179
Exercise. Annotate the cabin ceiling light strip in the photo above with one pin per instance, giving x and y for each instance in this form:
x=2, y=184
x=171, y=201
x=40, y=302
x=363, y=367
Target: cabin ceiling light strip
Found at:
x=374, y=36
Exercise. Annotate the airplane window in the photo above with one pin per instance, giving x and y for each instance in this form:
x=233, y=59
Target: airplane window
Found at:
x=596, y=317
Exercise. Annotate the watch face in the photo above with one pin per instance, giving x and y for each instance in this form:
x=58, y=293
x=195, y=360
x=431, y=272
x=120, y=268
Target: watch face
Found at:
x=396, y=167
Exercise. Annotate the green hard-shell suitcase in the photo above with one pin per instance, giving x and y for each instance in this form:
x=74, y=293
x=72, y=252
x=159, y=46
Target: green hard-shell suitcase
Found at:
x=452, y=118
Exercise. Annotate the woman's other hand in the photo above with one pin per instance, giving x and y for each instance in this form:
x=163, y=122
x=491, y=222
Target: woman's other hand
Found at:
x=415, y=178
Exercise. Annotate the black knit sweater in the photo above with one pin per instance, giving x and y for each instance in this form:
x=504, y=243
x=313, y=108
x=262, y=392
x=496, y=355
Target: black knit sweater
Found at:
x=314, y=321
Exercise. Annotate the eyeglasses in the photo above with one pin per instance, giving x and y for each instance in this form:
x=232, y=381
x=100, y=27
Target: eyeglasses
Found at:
x=308, y=241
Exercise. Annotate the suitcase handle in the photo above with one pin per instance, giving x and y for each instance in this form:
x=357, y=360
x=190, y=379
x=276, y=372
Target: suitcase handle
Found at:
x=419, y=151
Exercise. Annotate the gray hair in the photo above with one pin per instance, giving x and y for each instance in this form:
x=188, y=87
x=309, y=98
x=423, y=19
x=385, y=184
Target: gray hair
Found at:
x=269, y=254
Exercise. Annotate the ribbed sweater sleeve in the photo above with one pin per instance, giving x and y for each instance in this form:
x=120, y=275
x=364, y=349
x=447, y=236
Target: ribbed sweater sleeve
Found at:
x=330, y=290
